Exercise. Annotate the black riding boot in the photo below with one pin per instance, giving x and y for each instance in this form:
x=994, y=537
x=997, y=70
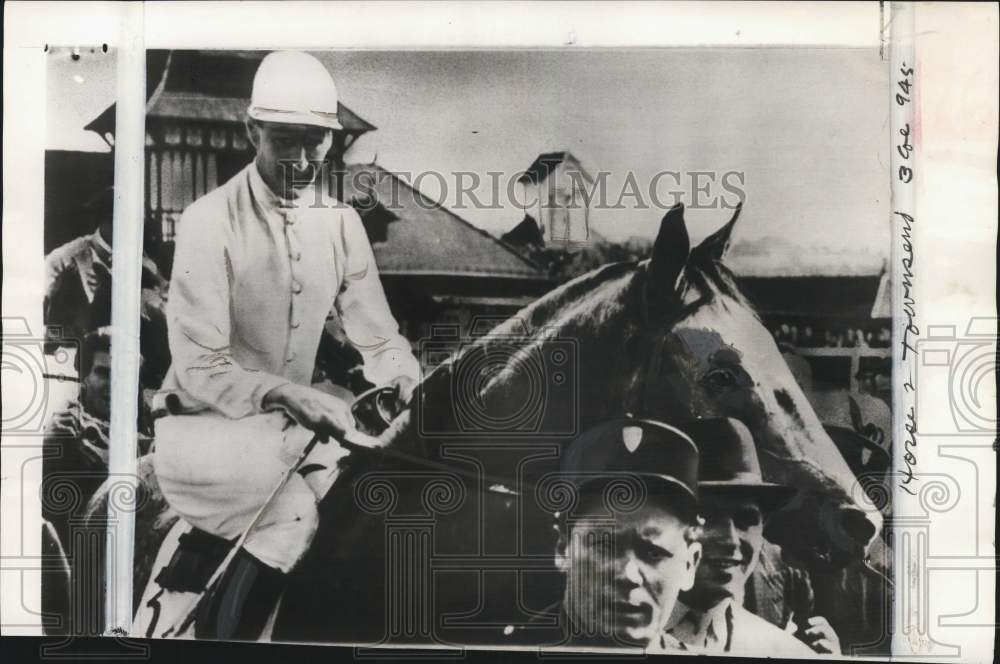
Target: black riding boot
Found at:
x=238, y=606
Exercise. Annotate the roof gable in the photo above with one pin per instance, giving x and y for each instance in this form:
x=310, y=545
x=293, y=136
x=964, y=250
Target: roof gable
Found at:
x=427, y=238
x=547, y=162
x=526, y=233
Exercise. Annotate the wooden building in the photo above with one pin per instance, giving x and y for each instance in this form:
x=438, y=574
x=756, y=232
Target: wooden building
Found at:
x=839, y=324
x=556, y=190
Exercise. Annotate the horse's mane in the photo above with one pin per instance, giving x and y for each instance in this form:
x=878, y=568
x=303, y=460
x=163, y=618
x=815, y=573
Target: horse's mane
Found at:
x=608, y=302
x=551, y=309
x=575, y=303
x=595, y=297
x=713, y=279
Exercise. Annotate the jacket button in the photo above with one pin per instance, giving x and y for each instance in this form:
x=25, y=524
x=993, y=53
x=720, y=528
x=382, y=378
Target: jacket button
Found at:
x=296, y=287
x=295, y=323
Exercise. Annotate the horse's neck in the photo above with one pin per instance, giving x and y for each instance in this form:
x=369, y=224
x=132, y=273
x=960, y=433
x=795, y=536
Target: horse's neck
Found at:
x=595, y=315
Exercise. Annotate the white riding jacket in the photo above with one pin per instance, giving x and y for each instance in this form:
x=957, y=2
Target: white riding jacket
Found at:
x=254, y=278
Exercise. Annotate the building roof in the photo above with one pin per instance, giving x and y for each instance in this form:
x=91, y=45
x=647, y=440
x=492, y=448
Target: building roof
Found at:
x=547, y=162
x=846, y=297
x=882, y=307
x=526, y=233
x=200, y=106
x=429, y=239
x=206, y=86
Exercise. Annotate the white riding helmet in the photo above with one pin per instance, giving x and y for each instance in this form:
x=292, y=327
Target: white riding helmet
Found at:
x=291, y=87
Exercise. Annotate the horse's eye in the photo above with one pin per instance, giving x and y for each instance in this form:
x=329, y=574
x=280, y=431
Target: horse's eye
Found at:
x=722, y=379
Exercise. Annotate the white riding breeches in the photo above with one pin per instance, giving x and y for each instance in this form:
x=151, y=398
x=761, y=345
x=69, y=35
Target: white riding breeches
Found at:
x=216, y=472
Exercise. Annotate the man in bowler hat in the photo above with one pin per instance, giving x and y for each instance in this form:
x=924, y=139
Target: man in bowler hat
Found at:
x=734, y=502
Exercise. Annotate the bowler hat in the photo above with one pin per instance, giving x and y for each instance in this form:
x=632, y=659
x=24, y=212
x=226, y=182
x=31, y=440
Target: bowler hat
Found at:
x=661, y=455
x=857, y=423
x=729, y=464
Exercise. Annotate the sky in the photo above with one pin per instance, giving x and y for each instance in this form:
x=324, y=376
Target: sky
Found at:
x=78, y=89
x=806, y=127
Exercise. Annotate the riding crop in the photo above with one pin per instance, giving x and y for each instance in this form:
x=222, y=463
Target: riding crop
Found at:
x=191, y=611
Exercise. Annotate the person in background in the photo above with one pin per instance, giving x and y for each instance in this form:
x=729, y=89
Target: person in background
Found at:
x=77, y=299
x=780, y=592
x=78, y=279
x=75, y=458
x=734, y=502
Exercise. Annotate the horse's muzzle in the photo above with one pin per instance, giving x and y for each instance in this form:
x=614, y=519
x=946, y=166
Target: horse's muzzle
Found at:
x=856, y=525
x=836, y=538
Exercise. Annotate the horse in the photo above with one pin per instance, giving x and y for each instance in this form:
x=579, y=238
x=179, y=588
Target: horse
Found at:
x=462, y=490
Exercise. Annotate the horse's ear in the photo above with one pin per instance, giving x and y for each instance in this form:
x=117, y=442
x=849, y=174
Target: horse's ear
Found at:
x=670, y=253
x=714, y=247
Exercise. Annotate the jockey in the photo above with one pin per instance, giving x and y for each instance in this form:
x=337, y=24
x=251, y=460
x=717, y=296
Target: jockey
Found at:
x=735, y=499
x=629, y=546
x=259, y=263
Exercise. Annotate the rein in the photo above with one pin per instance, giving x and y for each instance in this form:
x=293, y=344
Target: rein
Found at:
x=425, y=463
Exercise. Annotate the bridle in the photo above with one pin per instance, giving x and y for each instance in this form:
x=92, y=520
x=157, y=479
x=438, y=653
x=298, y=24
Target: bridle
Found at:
x=657, y=320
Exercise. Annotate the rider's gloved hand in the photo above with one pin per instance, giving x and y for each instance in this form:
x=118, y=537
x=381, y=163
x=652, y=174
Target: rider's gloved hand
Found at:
x=821, y=636
x=323, y=413
x=818, y=634
x=404, y=391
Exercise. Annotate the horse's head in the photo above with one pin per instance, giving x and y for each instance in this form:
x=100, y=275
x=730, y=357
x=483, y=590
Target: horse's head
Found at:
x=711, y=356
x=671, y=338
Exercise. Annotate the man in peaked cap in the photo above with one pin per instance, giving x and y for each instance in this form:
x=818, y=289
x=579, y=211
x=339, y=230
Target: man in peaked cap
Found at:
x=734, y=501
x=629, y=546
x=259, y=264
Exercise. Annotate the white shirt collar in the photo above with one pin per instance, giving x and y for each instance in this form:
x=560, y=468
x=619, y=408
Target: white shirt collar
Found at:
x=702, y=629
x=100, y=247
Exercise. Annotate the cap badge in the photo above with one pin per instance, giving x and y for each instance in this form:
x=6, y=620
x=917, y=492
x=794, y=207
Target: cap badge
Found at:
x=632, y=437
